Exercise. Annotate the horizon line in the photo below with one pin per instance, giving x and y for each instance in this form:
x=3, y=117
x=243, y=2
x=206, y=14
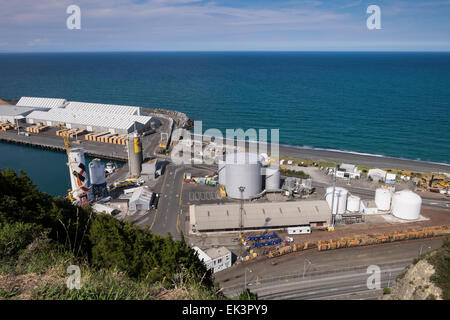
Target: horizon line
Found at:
x=229, y=51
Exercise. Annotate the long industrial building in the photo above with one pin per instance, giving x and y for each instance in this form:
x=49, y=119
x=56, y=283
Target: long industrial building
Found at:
x=257, y=216
x=83, y=115
x=14, y=114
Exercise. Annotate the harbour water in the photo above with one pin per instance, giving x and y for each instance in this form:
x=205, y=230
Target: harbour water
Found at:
x=390, y=104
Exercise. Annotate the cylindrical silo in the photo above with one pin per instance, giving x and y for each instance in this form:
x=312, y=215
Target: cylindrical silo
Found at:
x=340, y=199
x=135, y=156
x=98, y=178
x=383, y=199
x=221, y=171
x=353, y=203
x=272, y=178
x=243, y=170
x=406, y=205
x=78, y=175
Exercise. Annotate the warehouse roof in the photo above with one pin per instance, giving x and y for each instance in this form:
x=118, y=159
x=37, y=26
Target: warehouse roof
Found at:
x=259, y=215
x=46, y=103
x=103, y=108
x=117, y=121
x=11, y=110
x=141, y=194
x=211, y=253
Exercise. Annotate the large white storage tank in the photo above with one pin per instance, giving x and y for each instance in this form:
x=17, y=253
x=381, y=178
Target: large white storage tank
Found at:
x=272, y=178
x=97, y=172
x=383, y=199
x=353, y=203
x=243, y=169
x=406, y=205
x=221, y=171
x=340, y=199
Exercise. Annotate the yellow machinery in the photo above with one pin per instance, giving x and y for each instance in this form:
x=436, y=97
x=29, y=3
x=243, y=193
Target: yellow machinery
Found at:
x=223, y=193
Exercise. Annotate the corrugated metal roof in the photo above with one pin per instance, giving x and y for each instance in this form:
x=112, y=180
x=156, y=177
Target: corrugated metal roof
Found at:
x=103, y=108
x=87, y=119
x=11, y=110
x=259, y=215
x=141, y=194
x=115, y=121
x=47, y=103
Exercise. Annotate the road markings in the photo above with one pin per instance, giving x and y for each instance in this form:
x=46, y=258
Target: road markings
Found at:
x=156, y=213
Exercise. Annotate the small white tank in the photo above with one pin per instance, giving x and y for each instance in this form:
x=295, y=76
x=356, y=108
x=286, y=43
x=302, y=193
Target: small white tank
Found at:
x=406, y=205
x=340, y=199
x=353, y=203
x=383, y=199
x=97, y=172
x=272, y=177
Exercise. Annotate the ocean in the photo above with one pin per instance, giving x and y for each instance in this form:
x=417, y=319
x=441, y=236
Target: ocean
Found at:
x=385, y=103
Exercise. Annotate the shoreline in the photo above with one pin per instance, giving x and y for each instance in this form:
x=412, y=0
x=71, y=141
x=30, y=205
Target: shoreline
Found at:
x=358, y=158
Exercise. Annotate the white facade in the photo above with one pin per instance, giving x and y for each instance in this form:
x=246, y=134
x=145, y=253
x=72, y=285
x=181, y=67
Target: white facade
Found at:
x=377, y=174
x=299, y=230
x=217, y=259
x=13, y=114
x=391, y=177
x=114, y=123
x=140, y=199
x=348, y=171
x=368, y=207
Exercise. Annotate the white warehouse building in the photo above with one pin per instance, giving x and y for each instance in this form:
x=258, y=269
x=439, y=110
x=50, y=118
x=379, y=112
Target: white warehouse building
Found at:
x=88, y=116
x=216, y=259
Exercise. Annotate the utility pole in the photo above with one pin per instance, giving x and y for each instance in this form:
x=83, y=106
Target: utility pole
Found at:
x=241, y=218
x=332, y=197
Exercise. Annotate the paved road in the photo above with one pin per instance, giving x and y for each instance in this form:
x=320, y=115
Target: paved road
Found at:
x=167, y=217
x=329, y=286
x=314, y=263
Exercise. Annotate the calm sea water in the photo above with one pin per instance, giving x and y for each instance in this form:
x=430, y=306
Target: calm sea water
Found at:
x=394, y=104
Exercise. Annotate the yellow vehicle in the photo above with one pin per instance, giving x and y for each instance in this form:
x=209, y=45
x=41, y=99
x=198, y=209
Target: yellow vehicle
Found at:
x=223, y=193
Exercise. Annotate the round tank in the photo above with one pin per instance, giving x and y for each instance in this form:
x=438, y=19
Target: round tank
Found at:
x=406, y=205
x=340, y=199
x=242, y=170
x=221, y=171
x=353, y=203
x=383, y=199
x=135, y=156
x=97, y=172
x=272, y=178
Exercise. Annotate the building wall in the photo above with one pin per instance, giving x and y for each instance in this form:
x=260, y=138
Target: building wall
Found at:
x=139, y=126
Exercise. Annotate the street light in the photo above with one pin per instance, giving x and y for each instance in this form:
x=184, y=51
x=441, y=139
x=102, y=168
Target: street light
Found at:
x=421, y=247
x=304, y=266
x=245, y=277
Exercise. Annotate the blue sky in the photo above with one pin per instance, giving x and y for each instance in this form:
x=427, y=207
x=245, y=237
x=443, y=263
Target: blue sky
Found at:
x=184, y=25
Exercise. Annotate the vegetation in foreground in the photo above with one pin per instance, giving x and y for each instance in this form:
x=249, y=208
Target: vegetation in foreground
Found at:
x=440, y=260
x=40, y=236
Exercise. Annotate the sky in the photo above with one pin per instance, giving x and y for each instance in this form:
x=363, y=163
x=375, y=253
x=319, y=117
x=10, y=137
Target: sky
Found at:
x=224, y=25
